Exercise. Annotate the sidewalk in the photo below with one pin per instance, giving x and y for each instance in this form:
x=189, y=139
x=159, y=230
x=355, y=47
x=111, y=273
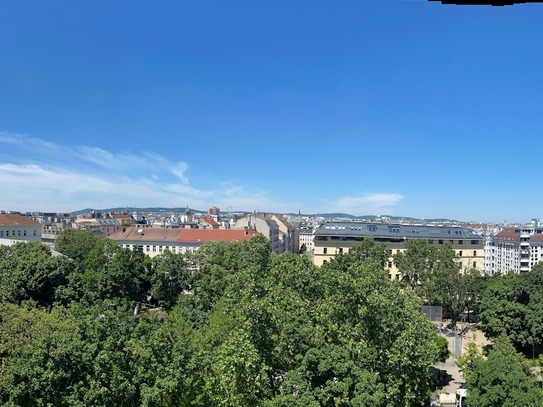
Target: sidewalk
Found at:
x=453, y=376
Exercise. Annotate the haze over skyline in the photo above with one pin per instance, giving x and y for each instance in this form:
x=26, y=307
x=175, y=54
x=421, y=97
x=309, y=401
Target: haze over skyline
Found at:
x=408, y=108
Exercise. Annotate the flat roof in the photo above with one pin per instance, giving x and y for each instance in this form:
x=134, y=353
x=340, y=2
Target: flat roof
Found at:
x=395, y=230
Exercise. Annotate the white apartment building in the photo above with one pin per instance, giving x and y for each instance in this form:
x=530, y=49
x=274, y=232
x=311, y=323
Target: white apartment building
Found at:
x=307, y=237
x=154, y=241
x=19, y=227
x=514, y=249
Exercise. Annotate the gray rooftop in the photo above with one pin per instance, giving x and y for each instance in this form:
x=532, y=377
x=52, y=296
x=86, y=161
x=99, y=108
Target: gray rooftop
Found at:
x=395, y=230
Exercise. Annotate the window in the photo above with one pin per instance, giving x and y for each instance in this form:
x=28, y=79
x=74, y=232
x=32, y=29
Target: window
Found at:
x=154, y=248
x=390, y=276
x=372, y=228
x=389, y=264
x=24, y=232
x=325, y=250
x=460, y=242
x=390, y=252
x=7, y=233
x=460, y=253
x=18, y=233
x=475, y=253
x=341, y=250
x=324, y=261
x=430, y=241
x=441, y=242
x=34, y=233
x=474, y=264
x=474, y=242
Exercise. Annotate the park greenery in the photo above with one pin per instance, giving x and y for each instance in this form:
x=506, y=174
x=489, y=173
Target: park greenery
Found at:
x=237, y=325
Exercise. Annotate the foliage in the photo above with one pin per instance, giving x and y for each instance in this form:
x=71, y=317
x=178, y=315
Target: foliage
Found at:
x=169, y=276
x=76, y=244
x=258, y=329
x=470, y=359
x=435, y=274
x=504, y=379
x=28, y=272
x=513, y=304
x=416, y=263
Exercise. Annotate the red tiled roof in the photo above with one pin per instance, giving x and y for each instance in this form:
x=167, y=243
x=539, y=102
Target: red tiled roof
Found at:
x=15, y=219
x=210, y=235
x=120, y=216
x=210, y=221
x=507, y=233
x=537, y=238
x=135, y=233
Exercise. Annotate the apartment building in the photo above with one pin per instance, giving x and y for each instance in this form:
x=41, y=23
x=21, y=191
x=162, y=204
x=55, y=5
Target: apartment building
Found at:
x=515, y=249
x=307, y=237
x=263, y=225
x=332, y=238
x=154, y=241
x=19, y=227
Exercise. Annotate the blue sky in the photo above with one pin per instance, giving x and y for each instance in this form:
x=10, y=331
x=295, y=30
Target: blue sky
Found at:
x=409, y=108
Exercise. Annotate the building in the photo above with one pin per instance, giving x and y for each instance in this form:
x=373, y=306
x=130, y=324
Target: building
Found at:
x=11, y=242
x=214, y=213
x=104, y=225
x=19, y=227
x=207, y=222
x=154, y=241
x=263, y=225
x=332, y=238
x=307, y=237
x=52, y=224
x=288, y=234
x=514, y=249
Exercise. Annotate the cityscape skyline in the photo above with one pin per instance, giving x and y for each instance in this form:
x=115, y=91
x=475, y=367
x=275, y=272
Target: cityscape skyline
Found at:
x=399, y=108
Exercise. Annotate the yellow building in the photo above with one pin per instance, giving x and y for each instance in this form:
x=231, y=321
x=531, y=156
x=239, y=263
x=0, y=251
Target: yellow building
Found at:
x=332, y=238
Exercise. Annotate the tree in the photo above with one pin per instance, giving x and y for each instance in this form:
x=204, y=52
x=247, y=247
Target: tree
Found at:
x=97, y=356
x=28, y=272
x=446, y=283
x=513, y=304
x=113, y=272
x=416, y=263
x=504, y=379
x=75, y=244
x=469, y=360
x=169, y=276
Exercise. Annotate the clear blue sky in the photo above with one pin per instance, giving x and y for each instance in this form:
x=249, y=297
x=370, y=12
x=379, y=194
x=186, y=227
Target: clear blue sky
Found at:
x=408, y=108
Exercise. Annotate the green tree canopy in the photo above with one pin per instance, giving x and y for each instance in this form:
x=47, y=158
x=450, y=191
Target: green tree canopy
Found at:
x=504, y=379
x=28, y=272
x=513, y=304
x=75, y=244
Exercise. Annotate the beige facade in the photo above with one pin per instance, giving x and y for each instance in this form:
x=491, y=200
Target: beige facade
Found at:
x=338, y=237
x=263, y=225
